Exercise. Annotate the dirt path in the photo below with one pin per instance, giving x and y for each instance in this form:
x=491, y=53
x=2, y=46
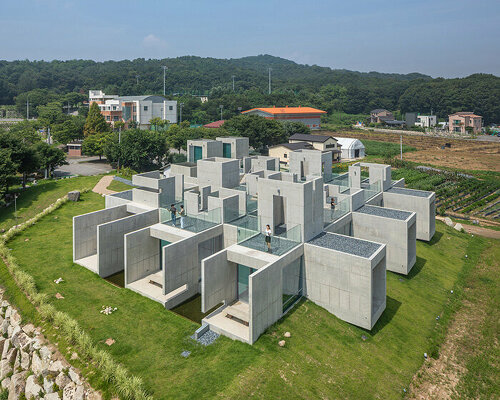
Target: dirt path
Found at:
x=477, y=230
x=102, y=186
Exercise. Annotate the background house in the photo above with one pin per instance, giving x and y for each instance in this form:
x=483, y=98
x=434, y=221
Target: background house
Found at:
x=460, y=121
x=318, y=142
x=351, y=148
x=309, y=116
x=282, y=151
x=380, y=115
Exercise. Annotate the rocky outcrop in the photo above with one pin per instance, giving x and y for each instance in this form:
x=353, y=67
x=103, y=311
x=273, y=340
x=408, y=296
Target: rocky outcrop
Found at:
x=31, y=368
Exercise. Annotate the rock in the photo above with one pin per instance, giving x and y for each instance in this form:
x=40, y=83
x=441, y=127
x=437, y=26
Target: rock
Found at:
x=32, y=388
x=36, y=364
x=6, y=384
x=2, y=341
x=56, y=367
x=35, y=344
x=62, y=380
x=109, y=341
x=15, y=318
x=25, y=360
x=8, y=311
x=459, y=227
x=20, y=340
x=45, y=354
x=74, y=356
x=48, y=385
x=12, y=330
x=29, y=329
x=448, y=221
x=17, y=361
x=6, y=348
x=93, y=395
x=74, y=195
x=4, y=327
x=5, y=369
x=5, y=303
x=51, y=396
x=287, y=334
x=281, y=343
x=69, y=391
x=59, y=296
x=17, y=385
x=74, y=376
x=11, y=355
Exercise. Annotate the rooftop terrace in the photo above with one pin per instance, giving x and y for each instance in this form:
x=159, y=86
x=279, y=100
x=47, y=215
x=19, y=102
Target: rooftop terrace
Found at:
x=384, y=212
x=346, y=244
x=409, y=192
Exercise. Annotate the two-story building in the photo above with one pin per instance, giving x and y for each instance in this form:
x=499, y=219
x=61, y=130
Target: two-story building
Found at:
x=380, y=115
x=309, y=116
x=462, y=122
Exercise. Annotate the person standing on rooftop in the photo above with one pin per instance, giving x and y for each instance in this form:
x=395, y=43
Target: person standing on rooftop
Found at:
x=268, y=234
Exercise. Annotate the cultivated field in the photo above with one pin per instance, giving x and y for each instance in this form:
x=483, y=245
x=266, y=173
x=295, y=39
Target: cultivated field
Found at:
x=463, y=154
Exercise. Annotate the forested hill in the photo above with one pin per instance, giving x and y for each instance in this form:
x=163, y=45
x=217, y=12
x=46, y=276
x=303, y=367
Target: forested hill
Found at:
x=293, y=84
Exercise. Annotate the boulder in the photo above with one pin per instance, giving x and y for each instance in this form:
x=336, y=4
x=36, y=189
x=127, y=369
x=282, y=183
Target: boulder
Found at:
x=20, y=340
x=25, y=360
x=281, y=343
x=459, y=227
x=11, y=355
x=32, y=388
x=29, y=329
x=8, y=311
x=287, y=334
x=48, y=385
x=5, y=384
x=448, y=221
x=56, y=367
x=36, y=364
x=15, y=318
x=4, y=327
x=45, y=354
x=17, y=385
x=93, y=395
x=74, y=376
x=52, y=396
x=62, y=380
x=2, y=341
x=74, y=195
x=5, y=369
x=69, y=391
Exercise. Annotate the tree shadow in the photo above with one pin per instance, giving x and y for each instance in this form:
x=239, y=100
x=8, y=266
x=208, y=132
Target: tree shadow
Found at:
x=391, y=308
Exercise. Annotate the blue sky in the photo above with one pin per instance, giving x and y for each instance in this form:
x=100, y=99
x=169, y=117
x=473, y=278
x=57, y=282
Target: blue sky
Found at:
x=440, y=37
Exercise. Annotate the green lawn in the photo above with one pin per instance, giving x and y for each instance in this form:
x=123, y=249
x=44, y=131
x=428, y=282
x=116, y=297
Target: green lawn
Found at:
x=118, y=186
x=35, y=198
x=324, y=358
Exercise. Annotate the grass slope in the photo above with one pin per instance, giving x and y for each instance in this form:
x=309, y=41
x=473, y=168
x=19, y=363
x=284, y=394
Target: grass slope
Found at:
x=325, y=357
x=35, y=198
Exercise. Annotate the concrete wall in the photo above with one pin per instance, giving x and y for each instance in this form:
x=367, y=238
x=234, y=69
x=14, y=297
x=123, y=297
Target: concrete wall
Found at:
x=85, y=229
x=302, y=202
x=142, y=255
x=210, y=148
x=228, y=206
x=265, y=293
x=219, y=172
x=239, y=145
x=117, y=199
x=185, y=169
x=261, y=163
x=396, y=234
x=218, y=281
x=344, y=284
x=309, y=163
x=150, y=198
x=110, y=242
x=425, y=207
x=182, y=262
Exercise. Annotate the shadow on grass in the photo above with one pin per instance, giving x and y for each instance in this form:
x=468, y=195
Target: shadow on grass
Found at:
x=436, y=238
x=391, y=308
x=419, y=264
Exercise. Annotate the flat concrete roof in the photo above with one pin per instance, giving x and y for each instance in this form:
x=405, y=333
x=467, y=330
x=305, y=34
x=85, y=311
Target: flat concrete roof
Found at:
x=409, y=192
x=384, y=212
x=345, y=244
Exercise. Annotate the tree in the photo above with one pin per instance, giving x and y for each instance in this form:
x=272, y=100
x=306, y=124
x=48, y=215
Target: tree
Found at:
x=291, y=128
x=141, y=150
x=51, y=114
x=71, y=129
x=95, y=122
x=50, y=157
x=7, y=170
x=93, y=145
x=261, y=132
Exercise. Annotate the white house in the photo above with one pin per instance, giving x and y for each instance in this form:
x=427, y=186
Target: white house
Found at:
x=351, y=148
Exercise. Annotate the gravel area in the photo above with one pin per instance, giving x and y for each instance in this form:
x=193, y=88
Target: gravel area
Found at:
x=207, y=338
x=384, y=212
x=345, y=244
x=411, y=192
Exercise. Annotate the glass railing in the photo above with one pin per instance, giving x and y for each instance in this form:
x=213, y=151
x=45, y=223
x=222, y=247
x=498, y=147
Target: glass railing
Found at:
x=252, y=204
x=370, y=190
x=192, y=222
x=279, y=244
x=341, y=209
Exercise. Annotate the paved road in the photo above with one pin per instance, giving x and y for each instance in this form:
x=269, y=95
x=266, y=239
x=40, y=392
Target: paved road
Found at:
x=83, y=166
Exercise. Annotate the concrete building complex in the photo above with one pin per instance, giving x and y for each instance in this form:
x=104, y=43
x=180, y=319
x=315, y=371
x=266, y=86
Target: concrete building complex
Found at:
x=309, y=116
x=138, y=109
x=252, y=240
x=462, y=122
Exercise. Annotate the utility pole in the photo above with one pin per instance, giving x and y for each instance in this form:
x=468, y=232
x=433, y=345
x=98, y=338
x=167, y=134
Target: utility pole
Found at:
x=401, y=147
x=27, y=107
x=270, y=69
x=137, y=77
x=221, y=107
x=119, y=145
x=15, y=205
x=233, y=76
x=180, y=111
x=164, y=69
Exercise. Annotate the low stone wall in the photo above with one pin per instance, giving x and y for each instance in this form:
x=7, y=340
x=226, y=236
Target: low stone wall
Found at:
x=32, y=367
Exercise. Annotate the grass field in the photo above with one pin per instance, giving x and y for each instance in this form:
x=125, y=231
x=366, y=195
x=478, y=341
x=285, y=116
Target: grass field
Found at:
x=325, y=357
x=118, y=186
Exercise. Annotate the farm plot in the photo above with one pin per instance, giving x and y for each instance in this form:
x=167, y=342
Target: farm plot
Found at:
x=471, y=196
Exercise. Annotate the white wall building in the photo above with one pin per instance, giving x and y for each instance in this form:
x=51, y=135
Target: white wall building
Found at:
x=426, y=121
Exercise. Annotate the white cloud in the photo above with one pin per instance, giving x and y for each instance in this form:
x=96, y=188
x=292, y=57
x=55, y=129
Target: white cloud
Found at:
x=153, y=41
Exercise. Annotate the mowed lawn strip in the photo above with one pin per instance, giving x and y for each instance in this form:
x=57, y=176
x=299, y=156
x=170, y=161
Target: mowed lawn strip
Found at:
x=149, y=339
x=34, y=199
x=325, y=357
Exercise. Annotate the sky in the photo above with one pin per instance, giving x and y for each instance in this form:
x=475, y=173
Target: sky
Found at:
x=448, y=38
